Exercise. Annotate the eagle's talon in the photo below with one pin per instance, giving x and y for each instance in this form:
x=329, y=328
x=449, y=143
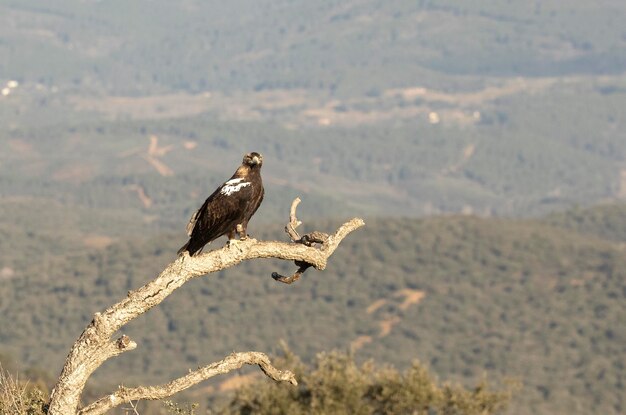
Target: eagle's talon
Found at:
x=241, y=231
x=234, y=243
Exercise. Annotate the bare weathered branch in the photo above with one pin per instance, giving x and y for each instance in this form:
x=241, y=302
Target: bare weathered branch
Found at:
x=308, y=239
x=94, y=346
x=293, y=221
x=232, y=362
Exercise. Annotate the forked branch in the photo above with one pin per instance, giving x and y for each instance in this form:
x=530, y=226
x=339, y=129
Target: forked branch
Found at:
x=95, y=344
x=310, y=239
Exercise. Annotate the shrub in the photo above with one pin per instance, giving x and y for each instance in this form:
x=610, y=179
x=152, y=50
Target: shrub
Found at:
x=20, y=398
x=338, y=385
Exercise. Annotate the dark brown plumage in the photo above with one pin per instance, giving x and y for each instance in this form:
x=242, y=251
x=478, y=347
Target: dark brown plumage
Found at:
x=230, y=206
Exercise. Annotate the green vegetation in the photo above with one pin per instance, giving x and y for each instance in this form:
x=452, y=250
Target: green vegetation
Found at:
x=337, y=385
x=605, y=221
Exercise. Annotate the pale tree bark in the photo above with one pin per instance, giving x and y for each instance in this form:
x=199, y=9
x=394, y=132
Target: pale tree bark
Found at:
x=96, y=345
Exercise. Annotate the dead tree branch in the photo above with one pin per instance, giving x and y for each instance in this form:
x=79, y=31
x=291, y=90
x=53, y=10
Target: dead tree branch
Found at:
x=232, y=362
x=310, y=239
x=95, y=344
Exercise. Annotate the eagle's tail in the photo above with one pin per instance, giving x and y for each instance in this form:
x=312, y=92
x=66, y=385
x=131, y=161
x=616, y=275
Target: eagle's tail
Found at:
x=191, y=248
x=184, y=248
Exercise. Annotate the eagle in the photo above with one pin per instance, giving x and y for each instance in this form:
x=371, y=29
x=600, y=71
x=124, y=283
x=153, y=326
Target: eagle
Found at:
x=229, y=208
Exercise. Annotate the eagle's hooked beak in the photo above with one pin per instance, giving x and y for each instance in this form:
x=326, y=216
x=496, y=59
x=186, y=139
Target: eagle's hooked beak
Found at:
x=256, y=160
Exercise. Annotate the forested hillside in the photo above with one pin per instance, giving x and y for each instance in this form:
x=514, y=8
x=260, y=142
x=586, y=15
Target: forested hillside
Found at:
x=510, y=298
x=378, y=108
x=348, y=48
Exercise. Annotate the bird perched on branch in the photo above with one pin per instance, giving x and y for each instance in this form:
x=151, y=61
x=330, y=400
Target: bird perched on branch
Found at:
x=230, y=207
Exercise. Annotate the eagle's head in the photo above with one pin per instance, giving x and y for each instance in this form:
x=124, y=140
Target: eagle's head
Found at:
x=253, y=160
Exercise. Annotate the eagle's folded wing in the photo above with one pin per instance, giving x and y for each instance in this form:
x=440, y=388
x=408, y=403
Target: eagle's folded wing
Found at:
x=192, y=222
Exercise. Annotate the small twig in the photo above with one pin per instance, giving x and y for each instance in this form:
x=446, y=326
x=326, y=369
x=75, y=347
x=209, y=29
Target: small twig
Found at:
x=133, y=407
x=293, y=221
x=303, y=266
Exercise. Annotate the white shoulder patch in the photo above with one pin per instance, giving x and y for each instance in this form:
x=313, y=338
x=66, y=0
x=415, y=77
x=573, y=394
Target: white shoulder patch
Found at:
x=233, y=185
